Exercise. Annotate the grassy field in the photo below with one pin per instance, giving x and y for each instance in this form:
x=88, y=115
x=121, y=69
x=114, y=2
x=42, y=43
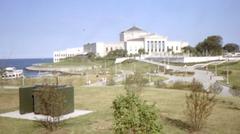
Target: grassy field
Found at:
x=224, y=120
x=234, y=76
x=75, y=80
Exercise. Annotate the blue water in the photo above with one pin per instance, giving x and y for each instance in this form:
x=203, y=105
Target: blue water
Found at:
x=22, y=63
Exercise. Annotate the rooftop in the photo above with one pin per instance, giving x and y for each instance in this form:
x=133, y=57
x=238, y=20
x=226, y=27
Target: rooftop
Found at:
x=134, y=28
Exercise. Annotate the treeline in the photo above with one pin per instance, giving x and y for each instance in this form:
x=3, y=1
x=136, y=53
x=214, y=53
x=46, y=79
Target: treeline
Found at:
x=211, y=46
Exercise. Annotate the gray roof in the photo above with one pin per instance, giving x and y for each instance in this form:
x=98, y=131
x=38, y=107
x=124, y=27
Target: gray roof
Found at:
x=134, y=28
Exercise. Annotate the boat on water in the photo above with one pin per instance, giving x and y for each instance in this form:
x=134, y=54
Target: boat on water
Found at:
x=12, y=73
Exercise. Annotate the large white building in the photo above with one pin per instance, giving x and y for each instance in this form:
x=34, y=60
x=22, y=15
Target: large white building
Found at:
x=134, y=39
x=131, y=40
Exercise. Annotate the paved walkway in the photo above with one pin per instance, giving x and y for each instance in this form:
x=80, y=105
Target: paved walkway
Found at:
x=207, y=78
x=32, y=116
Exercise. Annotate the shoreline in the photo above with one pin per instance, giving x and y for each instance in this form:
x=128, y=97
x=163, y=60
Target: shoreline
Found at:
x=65, y=70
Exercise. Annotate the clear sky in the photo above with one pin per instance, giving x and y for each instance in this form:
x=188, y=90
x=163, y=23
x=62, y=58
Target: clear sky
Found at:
x=35, y=28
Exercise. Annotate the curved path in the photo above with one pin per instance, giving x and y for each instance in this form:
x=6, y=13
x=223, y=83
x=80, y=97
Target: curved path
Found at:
x=207, y=78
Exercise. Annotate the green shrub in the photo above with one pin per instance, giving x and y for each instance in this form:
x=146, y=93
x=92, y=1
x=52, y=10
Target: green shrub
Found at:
x=134, y=116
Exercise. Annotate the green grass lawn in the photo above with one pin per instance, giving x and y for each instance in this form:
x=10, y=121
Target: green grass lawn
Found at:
x=234, y=76
x=224, y=120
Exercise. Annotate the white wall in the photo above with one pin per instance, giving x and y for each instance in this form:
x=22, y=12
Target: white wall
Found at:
x=176, y=46
x=70, y=52
x=132, y=47
x=202, y=59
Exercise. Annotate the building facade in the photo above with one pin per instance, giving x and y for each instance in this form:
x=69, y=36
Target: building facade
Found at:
x=63, y=54
x=131, y=40
x=134, y=39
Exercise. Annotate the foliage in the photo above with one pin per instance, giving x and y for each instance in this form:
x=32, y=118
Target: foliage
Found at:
x=135, y=82
x=134, y=116
x=224, y=72
x=51, y=104
x=189, y=50
x=141, y=51
x=215, y=88
x=199, y=105
x=91, y=56
x=110, y=80
x=212, y=45
x=231, y=47
x=159, y=84
x=116, y=53
x=235, y=91
x=180, y=85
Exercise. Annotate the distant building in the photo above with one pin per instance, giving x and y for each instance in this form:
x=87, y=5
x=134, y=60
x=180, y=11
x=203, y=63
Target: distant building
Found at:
x=71, y=52
x=134, y=39
x=131, y=40
x=102, y=49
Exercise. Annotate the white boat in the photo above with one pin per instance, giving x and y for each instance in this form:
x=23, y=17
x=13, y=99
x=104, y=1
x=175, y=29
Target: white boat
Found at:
x=12, y=73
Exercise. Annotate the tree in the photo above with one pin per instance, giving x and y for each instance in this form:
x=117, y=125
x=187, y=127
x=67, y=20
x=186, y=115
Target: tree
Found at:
x=135, y=82
x=212, y=46
x=231, y=47
x=116, y=53
x=199, y=105
x=91, y=56
x=141, y=51
x=134, y=116
x=189, y=50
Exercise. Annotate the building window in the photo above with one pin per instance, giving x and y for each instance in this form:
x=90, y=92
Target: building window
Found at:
x=106, y=49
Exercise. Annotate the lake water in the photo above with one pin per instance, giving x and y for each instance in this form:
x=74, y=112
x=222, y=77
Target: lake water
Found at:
x=22, y=63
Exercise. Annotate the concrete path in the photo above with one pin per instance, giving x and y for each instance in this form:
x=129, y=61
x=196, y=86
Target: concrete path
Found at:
x=207, y=78
x=32, y=116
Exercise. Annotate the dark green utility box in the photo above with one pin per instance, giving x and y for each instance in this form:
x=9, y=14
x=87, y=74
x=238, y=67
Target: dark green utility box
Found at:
x=29, y=100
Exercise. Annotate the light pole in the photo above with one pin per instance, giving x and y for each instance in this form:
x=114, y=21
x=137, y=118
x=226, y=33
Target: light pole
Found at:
x=216, y=69
x=227, y=71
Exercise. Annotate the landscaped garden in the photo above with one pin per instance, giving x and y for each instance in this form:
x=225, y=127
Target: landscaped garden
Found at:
x=170, y=104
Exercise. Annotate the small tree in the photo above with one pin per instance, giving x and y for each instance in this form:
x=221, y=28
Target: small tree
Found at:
x=51, y=104
x=134, y=116
x=110, y=81
x=199, y=105
x=141, y=51
x=135, y=82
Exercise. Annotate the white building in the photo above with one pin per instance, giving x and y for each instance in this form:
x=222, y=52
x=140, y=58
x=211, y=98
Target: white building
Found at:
x=70, y=52
x=131, y=40
x=134, y=39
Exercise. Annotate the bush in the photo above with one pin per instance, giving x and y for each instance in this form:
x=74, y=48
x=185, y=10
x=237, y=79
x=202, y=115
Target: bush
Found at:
x=180, y=85
x=51, y=104
x=110, y=81
x=159, y=84
x=199, y=105
x=134, y=116
x=215, y=88
x=135, y=82
x=225, y=72
x=235, y=92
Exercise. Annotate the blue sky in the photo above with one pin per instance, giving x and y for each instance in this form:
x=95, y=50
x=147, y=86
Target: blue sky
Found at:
x=35, y=28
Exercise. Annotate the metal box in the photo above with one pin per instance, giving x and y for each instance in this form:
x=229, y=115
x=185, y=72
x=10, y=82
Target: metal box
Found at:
x=30, y=102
